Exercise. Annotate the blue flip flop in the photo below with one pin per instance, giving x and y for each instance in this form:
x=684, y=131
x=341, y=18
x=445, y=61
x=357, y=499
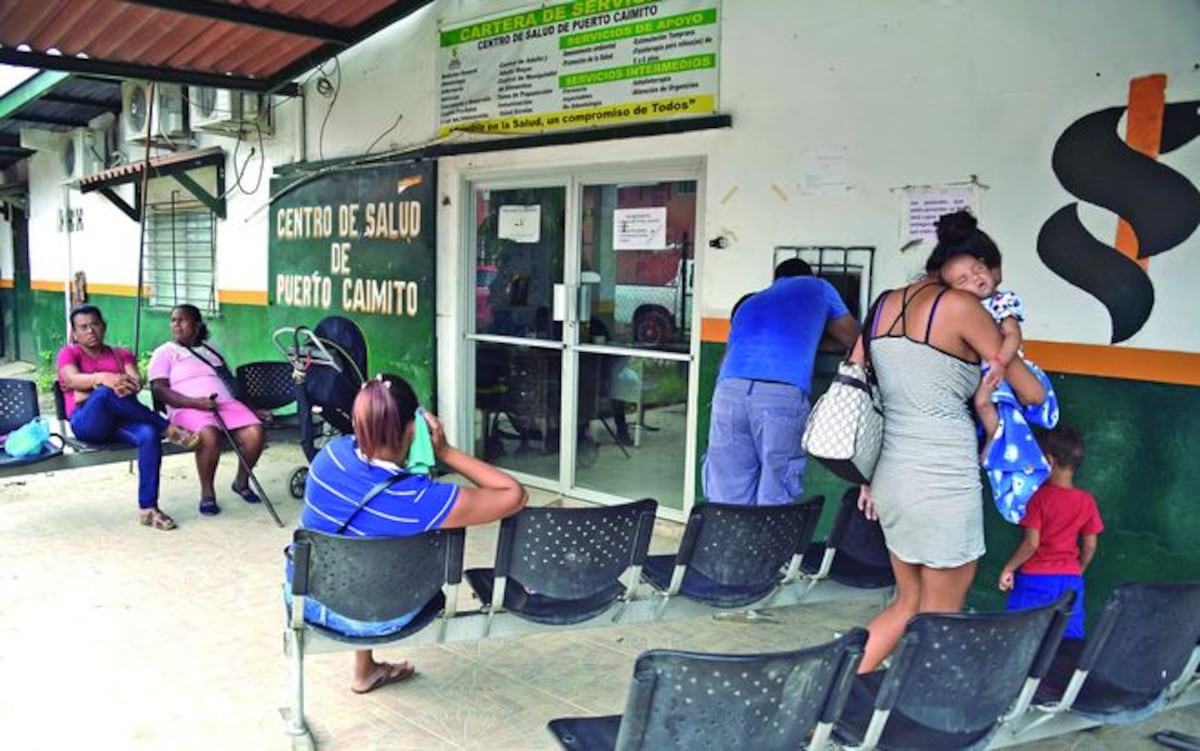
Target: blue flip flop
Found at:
x=248, y=495
x=209, y=507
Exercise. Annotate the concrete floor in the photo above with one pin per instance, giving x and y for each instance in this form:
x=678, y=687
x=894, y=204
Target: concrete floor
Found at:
x=114, y=636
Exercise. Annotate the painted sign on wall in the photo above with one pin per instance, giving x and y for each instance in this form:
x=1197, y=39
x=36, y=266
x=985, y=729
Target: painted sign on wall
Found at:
x=579, y=64
x=360, y=243
x=1158, y=207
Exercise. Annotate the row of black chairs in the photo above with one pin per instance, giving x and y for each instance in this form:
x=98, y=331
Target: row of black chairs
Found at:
x=557, y=567
x=956, y=681
x=561, y=567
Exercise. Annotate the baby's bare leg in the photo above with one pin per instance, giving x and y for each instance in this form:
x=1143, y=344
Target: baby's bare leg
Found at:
x=988, y=416
x=1024, y=383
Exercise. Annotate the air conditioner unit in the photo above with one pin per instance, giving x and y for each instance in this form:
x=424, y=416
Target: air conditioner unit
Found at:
x=84, y=152
x=225, y=111
x=169, y=118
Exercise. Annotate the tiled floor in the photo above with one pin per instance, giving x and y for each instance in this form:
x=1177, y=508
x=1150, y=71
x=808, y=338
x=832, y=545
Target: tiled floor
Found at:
x=114, y=636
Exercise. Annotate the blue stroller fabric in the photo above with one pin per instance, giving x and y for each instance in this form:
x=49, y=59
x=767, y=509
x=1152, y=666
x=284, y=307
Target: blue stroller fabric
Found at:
x=1014, y=462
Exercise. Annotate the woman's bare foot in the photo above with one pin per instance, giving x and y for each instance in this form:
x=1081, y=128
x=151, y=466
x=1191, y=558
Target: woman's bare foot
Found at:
x=382, y=674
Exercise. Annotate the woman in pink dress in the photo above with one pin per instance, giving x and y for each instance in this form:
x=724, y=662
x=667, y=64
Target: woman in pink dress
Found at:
x=184, y=376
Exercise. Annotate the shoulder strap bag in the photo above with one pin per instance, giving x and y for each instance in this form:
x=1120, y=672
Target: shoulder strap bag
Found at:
x=380, y=486
x=221, y=369
x=845, y=427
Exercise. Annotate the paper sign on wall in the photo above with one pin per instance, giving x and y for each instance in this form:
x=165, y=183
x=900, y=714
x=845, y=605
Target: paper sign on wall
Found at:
x=640, y=229
x=521, y=224
x=924, y=205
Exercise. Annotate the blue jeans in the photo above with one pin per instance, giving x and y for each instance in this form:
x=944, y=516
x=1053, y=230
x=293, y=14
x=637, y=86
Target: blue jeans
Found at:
x=754, y=456
x=105, y=417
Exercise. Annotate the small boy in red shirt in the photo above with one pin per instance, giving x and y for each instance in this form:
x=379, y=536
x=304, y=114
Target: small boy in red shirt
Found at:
x=1061, y=525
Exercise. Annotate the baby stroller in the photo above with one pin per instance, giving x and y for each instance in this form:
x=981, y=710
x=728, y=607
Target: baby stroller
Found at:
x=329, y=364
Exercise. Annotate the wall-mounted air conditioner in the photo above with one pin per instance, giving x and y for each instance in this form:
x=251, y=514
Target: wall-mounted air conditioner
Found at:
x=167, y=121
x=84, y=152
x=225, y=111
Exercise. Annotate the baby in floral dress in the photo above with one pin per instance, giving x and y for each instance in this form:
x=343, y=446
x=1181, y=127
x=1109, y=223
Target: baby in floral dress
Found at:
x=1015, y=465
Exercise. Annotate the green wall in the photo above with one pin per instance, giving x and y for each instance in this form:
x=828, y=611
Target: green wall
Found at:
x=241, y=331
x=1143, y=440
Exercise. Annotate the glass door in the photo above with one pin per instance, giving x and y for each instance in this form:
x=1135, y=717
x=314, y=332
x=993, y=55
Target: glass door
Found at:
x=519, y=261
x=582, y=340
x=634, y=358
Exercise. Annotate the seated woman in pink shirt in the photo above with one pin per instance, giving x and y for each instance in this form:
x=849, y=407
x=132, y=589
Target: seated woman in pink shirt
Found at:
x=184, y=376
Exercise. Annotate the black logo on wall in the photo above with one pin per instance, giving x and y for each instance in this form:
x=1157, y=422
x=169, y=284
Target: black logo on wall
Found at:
x=1161, y=205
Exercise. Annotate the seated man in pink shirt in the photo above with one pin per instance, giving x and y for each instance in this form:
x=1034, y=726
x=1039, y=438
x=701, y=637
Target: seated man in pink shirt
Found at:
x=100, y=385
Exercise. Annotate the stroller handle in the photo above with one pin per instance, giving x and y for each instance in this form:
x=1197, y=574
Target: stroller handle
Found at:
x=305, y=349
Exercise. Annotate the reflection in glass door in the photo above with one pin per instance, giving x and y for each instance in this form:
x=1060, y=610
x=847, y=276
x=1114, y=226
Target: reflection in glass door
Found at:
x=634, y=361
x=583, y=293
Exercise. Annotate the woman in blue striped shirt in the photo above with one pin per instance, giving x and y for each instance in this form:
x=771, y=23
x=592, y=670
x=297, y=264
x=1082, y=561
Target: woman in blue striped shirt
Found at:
x=387, y=421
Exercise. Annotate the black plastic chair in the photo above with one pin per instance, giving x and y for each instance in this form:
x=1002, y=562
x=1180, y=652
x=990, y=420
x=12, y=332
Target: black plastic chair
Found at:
x=732, y=556
x=854, y=554
x=19, y=406
x=367, y=579
x=687, y=701
x=269, y=385
x=563, y=565
x=954, y=678
x=1123, y=672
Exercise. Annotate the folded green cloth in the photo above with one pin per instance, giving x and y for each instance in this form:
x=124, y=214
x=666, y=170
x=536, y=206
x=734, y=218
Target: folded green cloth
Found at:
x=420, y=455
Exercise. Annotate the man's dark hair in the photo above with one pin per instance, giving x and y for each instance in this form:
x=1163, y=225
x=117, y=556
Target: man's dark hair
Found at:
x=86, y=309
x=1064, y=444
x=793, y=267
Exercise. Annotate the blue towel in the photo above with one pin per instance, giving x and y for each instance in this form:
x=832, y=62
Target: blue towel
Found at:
x=1014, y=462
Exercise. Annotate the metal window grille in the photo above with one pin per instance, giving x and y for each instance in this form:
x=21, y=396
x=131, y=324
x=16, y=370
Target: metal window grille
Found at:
x=180, y=256
x=849, y=269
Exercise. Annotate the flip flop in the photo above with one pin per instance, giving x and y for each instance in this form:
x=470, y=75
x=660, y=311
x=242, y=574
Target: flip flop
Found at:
x=406, y=671
x=209, y=507
x=248, y=495
x=156, y=519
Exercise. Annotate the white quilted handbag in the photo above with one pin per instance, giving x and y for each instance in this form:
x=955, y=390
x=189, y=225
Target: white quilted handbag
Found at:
x=845, y=428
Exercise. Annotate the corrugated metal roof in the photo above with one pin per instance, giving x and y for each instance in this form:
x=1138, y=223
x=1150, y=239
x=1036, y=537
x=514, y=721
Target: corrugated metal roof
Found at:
x=159, y=165
x=55, y=102
x=254, y=45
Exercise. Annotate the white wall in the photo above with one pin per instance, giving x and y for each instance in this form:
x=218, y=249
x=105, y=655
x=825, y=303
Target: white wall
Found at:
x=106, y=249
x=913, y=92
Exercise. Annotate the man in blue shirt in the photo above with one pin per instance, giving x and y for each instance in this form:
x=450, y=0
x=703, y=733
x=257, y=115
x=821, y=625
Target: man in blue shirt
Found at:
x=761, y=401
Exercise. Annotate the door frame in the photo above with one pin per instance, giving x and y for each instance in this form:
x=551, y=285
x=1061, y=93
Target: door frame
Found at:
x=573, y=177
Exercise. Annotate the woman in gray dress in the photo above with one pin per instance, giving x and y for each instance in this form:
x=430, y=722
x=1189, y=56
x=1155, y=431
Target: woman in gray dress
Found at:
x=927, y=342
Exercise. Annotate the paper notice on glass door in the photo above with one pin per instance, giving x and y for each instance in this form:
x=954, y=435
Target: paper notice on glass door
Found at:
x=521, y=224
x=640, y=229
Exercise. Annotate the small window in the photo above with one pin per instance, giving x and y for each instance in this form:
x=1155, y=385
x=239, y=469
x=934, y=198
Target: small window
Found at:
x=848, y=269
x=180, y=256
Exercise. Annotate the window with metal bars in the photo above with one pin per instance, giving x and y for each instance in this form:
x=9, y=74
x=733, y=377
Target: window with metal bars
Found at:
x=848, y=268
x=180, y=256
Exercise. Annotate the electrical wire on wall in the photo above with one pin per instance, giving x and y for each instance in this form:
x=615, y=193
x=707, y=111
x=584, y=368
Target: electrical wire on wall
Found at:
x=239, y=172
x=329, y=90
x=390, y=128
